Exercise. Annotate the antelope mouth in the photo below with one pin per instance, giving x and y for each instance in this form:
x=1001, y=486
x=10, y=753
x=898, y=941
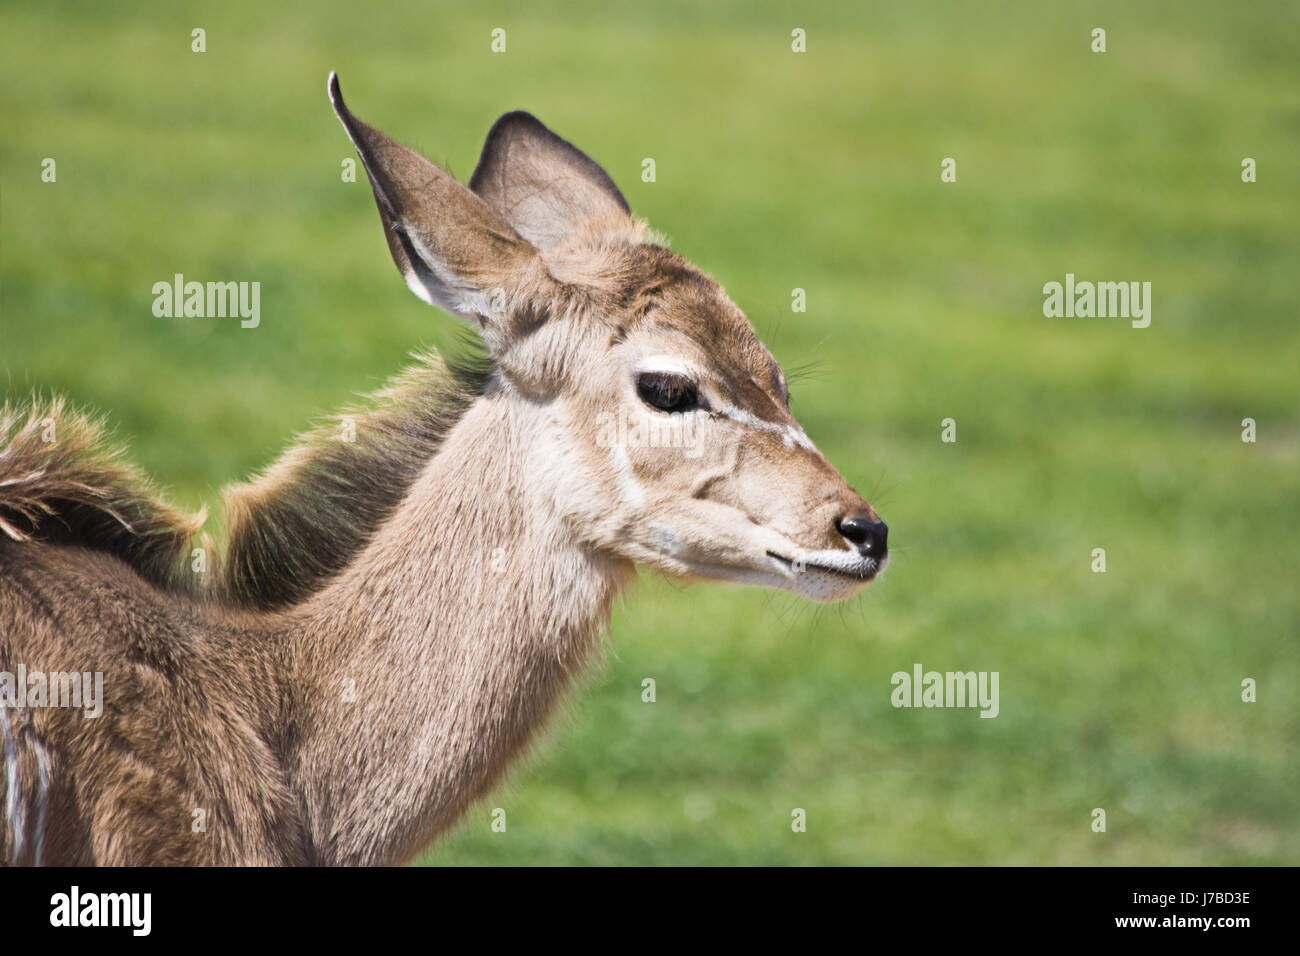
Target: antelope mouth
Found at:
x=838, y=563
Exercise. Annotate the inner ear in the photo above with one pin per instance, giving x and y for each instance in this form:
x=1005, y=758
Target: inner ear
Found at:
x=451, y=247
x=544, y=186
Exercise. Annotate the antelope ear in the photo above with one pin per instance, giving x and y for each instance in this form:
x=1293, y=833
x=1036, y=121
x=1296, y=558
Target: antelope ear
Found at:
x=453, y=250
x=543, y=185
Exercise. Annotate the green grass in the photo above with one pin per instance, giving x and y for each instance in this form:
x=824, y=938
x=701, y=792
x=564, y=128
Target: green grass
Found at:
x=775, y=171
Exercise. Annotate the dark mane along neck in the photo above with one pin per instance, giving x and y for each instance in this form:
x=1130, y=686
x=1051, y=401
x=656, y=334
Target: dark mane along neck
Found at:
x=62, y=481
x=304, y=518
x=289, y=530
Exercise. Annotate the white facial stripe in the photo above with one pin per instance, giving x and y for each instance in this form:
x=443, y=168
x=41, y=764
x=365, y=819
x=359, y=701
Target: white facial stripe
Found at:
x=790, y=434
x=628, y=488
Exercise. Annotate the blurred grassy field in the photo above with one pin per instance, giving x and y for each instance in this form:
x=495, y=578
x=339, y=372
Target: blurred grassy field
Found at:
x=774, y=171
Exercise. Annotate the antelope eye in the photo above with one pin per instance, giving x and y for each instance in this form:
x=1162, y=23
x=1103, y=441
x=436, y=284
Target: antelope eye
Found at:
x=667, y=392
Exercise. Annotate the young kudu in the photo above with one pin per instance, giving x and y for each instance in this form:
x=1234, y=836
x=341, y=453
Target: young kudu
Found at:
x=395, y=615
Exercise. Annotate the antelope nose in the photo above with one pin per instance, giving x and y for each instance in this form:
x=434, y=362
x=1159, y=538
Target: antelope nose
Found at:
x=869, y=537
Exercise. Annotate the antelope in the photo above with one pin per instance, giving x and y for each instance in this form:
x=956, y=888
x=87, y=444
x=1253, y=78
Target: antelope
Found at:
x=387, y=621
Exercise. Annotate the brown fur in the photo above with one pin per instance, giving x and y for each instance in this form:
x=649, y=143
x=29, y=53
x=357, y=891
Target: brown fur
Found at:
x=60, y=477
x=308, y=515
x=389, y=621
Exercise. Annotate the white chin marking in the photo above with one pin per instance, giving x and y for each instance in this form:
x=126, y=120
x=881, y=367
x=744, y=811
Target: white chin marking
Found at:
x=830, y=575
x=835, y=559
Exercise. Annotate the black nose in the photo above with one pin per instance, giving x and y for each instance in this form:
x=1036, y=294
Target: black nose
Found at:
x=870, y=537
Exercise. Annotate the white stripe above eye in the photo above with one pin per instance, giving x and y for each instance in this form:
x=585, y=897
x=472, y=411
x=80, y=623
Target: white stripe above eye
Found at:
x=666, y=363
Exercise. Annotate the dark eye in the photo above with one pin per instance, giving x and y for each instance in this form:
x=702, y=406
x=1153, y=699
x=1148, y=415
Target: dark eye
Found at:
x=667, y=392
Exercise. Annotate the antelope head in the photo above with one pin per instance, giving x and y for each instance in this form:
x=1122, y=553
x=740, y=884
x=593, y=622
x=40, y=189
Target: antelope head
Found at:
x=669, y=421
